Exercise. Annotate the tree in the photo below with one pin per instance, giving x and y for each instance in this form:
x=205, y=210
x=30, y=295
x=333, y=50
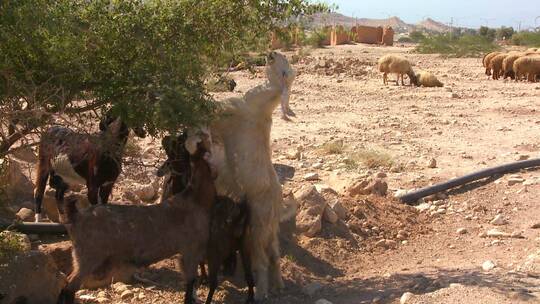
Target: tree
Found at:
x=417, y=36
x=504, y=33
x=487, y=32
x=146, y=61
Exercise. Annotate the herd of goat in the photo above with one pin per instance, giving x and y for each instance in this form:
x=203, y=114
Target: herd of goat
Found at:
x=221, y=195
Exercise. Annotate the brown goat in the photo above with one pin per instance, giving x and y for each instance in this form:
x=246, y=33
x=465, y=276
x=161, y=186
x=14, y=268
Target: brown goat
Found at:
x=228, y=222
x=142, y=235
x=67, y=157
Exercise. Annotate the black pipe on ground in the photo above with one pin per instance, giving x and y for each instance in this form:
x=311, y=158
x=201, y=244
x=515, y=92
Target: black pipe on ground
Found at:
x=412, y=197
x=38, y=228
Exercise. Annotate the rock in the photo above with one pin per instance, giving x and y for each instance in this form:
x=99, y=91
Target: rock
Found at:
x=309, y=195
x=309, y=222
x=130, y=196
x=312, y=288
x=25, y=215
x=30, y=277
x=515, y=180
x=462, y=231
x=127, y=295
x=87, y=298
x=317, y=166
x=453, y=95
x=498, y=220
x=329, y=215
x=522, y=157
x=423, y=207
x=406, y=297
x=488, y=265
x=432, y=163
x=380, y=175
x=497, y=233
x=119, y=287
x=323, y=188
x=145, y=192
x=311, y=177
x=19, y=187
x=517, y=235
x=365, y=187
x=19, y=241
x=535, y=226
x=50, y=207
x=60, y=253
x=322, y=301
x=338, y=208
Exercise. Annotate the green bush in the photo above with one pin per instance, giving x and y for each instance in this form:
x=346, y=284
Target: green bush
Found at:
x=527, y=39
x=417, y=36
x=405, y=39
x=456, y=46
x=145, y=60
x=316, y=38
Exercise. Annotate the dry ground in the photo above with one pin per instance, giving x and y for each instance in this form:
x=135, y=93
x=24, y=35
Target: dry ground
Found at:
x=470, y=124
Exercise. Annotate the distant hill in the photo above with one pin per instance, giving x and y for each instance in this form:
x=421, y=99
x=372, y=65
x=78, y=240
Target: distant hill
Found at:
x=396, y=23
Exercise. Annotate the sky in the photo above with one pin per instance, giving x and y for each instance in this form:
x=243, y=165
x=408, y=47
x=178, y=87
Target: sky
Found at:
x=467, y=13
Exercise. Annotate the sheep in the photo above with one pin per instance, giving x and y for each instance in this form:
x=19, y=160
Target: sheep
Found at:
x=528, y=66
x=427, y=79
x=396, y=64
x=242, y=155
x=95, y=160
x=486, y=61
x=142, y=235
x=508, y=65
x=496, y=65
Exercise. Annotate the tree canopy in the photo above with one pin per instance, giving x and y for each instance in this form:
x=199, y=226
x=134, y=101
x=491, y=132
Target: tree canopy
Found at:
x=145, y=60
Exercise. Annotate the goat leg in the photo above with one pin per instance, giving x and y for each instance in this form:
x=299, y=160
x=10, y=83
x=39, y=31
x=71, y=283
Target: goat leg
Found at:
x=213, y=268
x=246, y=262
x=41, y=183
x=105, y=191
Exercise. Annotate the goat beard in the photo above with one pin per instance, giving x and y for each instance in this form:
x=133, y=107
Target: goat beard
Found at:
x=285, y=97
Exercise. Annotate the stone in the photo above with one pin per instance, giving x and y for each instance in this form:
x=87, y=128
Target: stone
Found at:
x=364, y=187
x=146, y=192
x=517, y=235
x=515, y=180
x=309, y=222
x=130, y=196
x=338, y=208
x=488, y=265
x=311, y=176
x=309, y=195
x=522, y=157
x=329, y=215
x=119, y=287
x=497, y=233
x=30, y=277
x=25, y=215
x=406, y=297
x=453, y=95
x=322, y=301
x=19, y=187
x=462, y=231
x=312, y=288
x=498, y=220
x=325, y=189
x=126, y=295
x=60, y=253
x=317, y=166
x=432, y=163
x=535, y=226
x=87, y=298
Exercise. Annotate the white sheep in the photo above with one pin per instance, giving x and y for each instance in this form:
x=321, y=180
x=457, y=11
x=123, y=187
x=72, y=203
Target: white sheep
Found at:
x=242, y=156
x=396, y=64
x=427, y=79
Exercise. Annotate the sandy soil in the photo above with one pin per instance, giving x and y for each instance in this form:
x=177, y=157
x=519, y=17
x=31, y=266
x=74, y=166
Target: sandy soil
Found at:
x=470, y=124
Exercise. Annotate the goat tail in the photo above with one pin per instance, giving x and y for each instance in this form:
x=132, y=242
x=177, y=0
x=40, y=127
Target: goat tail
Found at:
x=71, y=209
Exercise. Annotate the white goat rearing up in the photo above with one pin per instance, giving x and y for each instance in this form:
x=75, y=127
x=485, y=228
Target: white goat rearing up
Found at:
x=242, y=155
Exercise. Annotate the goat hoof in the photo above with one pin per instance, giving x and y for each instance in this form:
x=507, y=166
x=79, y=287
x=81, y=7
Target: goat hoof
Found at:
x=38, y=218
x=291, y=113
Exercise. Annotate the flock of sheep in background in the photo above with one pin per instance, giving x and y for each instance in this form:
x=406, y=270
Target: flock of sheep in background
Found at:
x=515, y=64
x=518, y=65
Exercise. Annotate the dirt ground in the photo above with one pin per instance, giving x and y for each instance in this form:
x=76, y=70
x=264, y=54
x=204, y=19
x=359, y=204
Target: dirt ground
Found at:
x=470, y=124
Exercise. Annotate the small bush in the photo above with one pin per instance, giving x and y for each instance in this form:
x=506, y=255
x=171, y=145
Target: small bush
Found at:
x=456, y=46
x=333, y=147
x=526, y=38
x=317, y=38
x=370, y=158
x=9, y=246
x=405, y=39
x=417, y=36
